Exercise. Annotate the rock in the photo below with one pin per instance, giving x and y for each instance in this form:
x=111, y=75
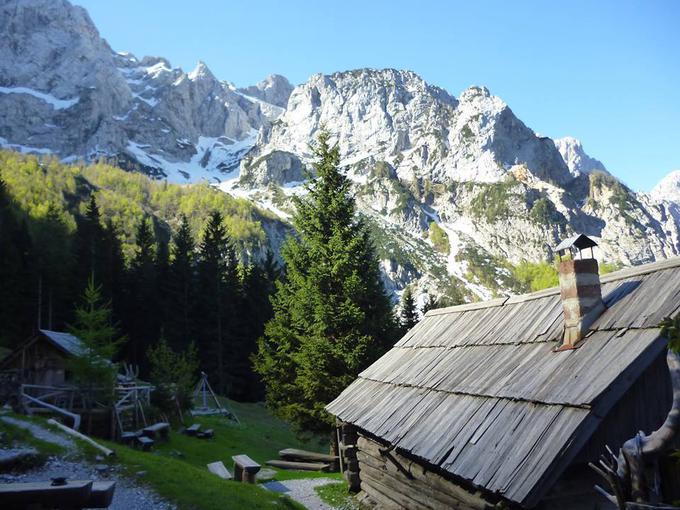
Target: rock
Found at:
x=140, y=474
x=101, y=468
x=274, y=89
x=668, y=188
x=576, y=158
x=265, y=474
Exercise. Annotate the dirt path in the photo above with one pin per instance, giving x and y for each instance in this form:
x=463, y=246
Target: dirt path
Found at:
x=40, y=432
x=302, y=491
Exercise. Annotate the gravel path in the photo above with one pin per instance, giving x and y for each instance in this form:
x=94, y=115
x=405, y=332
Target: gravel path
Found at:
x=127, y=496
x=302, y=491
x=40, y=432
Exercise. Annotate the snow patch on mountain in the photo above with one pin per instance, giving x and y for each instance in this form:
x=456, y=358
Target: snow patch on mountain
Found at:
x=57, y=104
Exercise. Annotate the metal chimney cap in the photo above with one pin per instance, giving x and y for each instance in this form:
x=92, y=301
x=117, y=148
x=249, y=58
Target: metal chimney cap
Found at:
x=579, y=242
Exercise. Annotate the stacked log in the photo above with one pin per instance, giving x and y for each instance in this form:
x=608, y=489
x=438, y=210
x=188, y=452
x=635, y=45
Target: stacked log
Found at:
x=348, y=451
x=394, y=481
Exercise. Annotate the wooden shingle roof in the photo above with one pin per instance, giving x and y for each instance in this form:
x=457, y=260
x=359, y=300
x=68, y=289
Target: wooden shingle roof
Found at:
x=478, y=391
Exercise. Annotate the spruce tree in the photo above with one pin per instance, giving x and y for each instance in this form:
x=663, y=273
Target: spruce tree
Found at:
x=408, y=316
x=89, y=247
x=216, y=305
x=142, y=312
x=331, y=315
x=53, y=262
x=94, y=327
x=17, y=280
x=181, y=284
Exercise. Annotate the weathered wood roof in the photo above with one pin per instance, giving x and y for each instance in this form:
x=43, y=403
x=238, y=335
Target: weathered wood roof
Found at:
x=478, y=391
x=65, y=341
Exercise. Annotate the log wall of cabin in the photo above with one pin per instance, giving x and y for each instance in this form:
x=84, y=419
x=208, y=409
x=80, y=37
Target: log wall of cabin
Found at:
x=390, y=480
x=40, y=363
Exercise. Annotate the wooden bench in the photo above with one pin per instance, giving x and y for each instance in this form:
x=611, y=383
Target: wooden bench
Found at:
x=129, y=437
x=160, y=429
x=74, y=494
x=245, y=468
x=144, y=442
x=193, y=430
x=206, y=434
x=218, y=468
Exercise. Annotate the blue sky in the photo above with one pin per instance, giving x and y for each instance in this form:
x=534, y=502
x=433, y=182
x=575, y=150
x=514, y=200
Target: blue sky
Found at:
x=606, y=72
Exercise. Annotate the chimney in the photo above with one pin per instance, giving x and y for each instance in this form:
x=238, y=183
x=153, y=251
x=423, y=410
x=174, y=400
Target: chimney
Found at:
x=579, y=288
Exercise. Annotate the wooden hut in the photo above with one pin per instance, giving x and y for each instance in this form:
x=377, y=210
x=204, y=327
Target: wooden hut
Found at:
x=43, y=358
x=503, y=403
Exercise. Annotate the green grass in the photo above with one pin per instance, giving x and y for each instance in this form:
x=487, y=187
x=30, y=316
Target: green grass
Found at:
x=260, y=435
x=335, y=494
x=184, y=478
x=191, y=486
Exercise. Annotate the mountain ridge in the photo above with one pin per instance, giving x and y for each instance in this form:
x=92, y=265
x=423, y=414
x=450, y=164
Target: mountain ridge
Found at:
x=458, y=190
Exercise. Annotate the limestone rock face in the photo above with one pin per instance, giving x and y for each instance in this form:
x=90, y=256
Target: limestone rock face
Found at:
x=576, y=158
x=63, y=90
x=274, y=89
x=668, y=188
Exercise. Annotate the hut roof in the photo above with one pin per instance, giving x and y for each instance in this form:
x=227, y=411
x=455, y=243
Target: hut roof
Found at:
x=479, y=391
x=64, y=341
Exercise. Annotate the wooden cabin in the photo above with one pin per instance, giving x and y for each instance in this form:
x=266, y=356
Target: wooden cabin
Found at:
x=43, y=358
x=501, y=404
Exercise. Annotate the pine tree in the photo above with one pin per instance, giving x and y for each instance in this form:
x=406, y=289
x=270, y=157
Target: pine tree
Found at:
x=142, y=312
x=216, y=306
x=331, y=315
x=17, y=279
x=100, y=340
x=259, y=283
x=114, y=272
x=408, y=316
x=181, y=284
x=89, y=248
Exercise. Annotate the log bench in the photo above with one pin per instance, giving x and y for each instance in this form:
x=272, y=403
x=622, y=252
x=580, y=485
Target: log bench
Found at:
x=206, y=434
x=161, y=430
x=73, y=494
x=129, y=437
x=193, y=430
x=145, y=443
x=245, y=468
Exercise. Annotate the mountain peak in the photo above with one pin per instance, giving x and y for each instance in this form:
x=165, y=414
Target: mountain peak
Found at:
x=201, y=72
x=274, y=89
x=668, y=188
x=474, y=92
x=571, y=150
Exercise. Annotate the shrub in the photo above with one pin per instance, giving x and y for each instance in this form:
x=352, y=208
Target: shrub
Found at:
x=439, y=238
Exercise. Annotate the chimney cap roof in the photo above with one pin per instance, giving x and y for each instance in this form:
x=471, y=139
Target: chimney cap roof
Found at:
x=579, y=241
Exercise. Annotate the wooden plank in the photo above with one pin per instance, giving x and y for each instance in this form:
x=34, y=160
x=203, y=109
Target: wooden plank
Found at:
x=304, y=455
x=218, y=468
x=299, y=466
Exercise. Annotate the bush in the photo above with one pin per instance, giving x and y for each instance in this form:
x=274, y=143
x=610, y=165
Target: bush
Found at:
x=174, y=375
x=439, y=238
